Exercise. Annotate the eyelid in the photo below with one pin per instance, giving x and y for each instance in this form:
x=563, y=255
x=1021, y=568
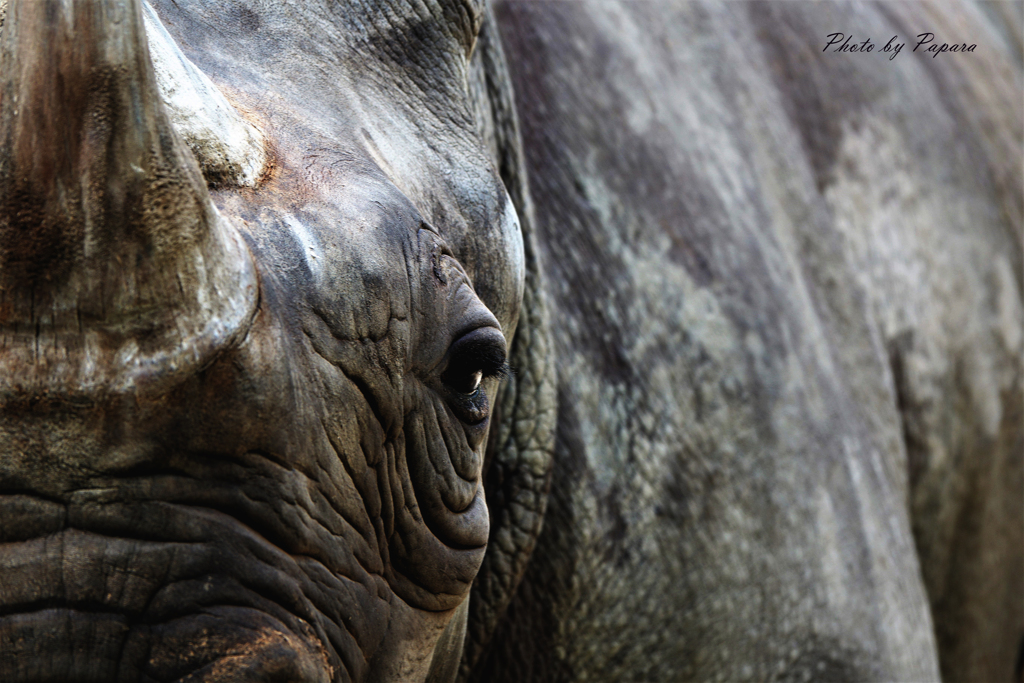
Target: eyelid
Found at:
x=489, y=360
x=484, y=345
x=473, y=357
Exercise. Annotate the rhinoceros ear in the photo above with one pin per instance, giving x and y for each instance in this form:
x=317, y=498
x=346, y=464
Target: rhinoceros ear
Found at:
x=115, y=268
x=229, y=149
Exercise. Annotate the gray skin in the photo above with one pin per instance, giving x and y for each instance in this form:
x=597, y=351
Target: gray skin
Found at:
x=241, y=436
x=785, y=301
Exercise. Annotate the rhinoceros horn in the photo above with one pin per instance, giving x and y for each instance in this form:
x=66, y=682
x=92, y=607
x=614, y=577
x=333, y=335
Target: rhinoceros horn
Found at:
x=116, y=270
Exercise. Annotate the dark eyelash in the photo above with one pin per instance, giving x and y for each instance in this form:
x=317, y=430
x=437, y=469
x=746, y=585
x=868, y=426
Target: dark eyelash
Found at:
x=503, y=371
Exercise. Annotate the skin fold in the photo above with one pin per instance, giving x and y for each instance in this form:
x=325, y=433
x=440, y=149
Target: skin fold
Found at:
x=243, y=429
x=786, y=303
x=525, y=341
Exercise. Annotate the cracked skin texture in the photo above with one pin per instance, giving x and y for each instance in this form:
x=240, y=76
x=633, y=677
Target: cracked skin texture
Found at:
x=788, y=341
x=785, y=293
x=296, y=495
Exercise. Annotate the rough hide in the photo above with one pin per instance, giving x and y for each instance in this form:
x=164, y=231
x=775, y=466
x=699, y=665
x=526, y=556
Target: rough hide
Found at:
x=261, y=264
x=250, y=341
x=786, y=297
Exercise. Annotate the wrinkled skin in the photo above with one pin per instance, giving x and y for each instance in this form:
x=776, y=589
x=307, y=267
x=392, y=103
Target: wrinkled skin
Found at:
x=789, y=438
x=239, y=433
x=236, y=435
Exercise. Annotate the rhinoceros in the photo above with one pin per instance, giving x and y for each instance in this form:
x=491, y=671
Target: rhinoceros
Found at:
x=405, y=341
x=785, y=302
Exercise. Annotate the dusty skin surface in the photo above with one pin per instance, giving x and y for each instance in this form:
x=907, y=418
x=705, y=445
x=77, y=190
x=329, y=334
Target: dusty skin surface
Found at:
x=785, y=297
x=253, y=254
x=243, y=415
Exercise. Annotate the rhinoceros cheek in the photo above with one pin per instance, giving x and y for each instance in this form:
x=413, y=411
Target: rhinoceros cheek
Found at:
x=441, y=522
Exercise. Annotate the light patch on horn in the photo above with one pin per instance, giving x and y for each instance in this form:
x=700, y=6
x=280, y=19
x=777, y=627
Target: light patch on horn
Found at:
x=229, y=149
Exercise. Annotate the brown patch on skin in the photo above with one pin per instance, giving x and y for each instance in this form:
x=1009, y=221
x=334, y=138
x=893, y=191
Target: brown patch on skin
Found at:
x=251, y=112
x=271, y=655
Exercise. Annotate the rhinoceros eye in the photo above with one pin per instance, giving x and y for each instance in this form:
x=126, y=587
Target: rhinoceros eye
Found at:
x=473, y=383
x=463, y=380
x=474, y=357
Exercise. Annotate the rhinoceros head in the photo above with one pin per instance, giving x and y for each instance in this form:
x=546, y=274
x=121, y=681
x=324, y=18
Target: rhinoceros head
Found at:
x=245, y=402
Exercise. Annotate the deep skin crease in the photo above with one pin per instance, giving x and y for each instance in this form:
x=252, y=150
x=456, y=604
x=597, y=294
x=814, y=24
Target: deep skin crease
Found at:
x=303, y=501
x=245, y=433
